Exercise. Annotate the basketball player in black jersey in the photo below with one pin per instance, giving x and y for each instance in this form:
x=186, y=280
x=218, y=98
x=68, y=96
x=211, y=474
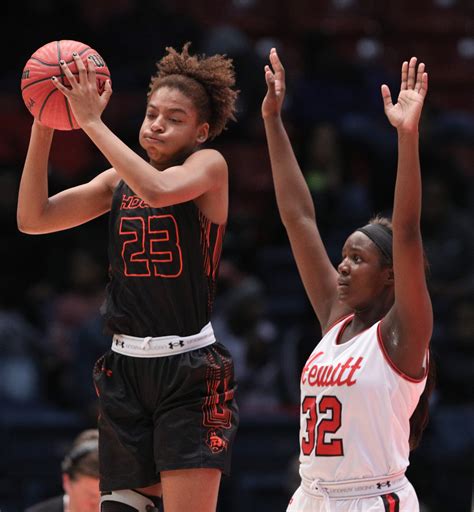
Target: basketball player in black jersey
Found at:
x=166, y=387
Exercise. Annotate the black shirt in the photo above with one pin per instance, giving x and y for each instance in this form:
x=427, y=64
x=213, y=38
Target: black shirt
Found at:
x=163, y=267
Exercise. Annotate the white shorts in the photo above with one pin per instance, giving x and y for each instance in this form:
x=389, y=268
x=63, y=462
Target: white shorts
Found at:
x=404, y=500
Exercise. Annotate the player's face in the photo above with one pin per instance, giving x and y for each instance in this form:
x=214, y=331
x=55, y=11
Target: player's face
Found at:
x=362, y=279
x=83, y=492
x=171, y=128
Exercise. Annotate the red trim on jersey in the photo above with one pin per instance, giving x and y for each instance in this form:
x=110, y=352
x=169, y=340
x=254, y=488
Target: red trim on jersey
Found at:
x=339, y=320
x=343, y=328
x=211, y=260
x=392, y=364
x=218, y=248
x=205, y=242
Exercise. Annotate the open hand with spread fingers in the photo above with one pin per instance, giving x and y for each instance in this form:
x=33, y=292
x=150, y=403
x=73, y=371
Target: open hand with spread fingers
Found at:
x=405, y=114
x=86, y=101
x=275, y=78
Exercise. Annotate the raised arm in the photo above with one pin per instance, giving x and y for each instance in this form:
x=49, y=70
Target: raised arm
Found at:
x=36, y=212
x=408, y=326
x=295, y=203
x=202, y=177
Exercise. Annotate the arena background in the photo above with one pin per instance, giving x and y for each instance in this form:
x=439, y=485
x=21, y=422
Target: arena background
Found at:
x=336, y=54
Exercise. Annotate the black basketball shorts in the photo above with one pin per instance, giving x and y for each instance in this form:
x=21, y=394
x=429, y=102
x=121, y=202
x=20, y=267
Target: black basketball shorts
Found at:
x=164, y=413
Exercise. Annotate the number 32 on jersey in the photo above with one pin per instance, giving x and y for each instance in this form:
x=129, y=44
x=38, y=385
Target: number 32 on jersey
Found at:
x=322, y=418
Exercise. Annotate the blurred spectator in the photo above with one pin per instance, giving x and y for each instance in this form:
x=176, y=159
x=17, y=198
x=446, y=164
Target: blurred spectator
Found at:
x=323, y=169
x=240, y=321
x=71, y=345
x=88, y=342
x=329, y=86
x=448, y=238
x=452, y=147
x=80, y=478
x=444, y=463
x=21, y=374
x=230, y=40
x=298, y=341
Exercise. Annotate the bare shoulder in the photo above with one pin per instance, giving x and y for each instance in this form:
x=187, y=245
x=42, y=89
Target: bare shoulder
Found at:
x=407, y=343
x=211, y=167
x=209, y=158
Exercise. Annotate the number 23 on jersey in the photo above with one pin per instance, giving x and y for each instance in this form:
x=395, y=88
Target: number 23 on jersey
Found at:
x=150, y=246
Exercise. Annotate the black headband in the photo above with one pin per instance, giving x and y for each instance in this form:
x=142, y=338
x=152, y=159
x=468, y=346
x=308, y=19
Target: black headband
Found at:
x=381, y=236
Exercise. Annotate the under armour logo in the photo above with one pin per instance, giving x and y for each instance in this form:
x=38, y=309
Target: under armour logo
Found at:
x=173, y=344
x=121, y=343
x=383, y=484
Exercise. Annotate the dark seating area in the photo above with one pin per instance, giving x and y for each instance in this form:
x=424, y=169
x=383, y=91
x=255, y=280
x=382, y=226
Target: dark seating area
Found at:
x=337, y=53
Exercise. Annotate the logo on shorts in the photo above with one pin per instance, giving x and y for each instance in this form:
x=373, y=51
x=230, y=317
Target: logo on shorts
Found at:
x=216, y=441
x=106, y=371
x=173, y=344
x=383, y=484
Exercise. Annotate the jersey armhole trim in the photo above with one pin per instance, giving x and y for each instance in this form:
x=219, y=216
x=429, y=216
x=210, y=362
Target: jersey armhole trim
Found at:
x=200, y=213
x=393, y=365
x=336, y=322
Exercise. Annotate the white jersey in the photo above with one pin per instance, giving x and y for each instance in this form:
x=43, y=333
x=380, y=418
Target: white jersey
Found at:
x=355, y=409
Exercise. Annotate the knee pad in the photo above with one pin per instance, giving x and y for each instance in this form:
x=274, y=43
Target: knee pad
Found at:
x=127, y=500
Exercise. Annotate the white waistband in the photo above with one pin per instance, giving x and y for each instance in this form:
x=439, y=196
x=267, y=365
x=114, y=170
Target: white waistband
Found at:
x=347, y=489
x=163, y=345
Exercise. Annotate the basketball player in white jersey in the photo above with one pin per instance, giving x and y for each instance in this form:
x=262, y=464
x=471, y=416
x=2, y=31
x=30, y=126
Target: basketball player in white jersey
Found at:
x=362, y=384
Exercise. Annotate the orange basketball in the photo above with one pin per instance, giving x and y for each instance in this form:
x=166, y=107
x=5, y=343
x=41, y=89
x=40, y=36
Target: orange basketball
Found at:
x=43, y=100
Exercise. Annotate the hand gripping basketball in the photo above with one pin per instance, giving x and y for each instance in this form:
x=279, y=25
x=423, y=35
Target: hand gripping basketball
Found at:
x=42, y=98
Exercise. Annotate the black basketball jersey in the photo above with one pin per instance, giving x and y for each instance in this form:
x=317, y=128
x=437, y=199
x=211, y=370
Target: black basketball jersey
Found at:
x=163, y=267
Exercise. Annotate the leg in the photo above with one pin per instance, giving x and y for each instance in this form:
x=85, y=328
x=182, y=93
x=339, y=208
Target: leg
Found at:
x=193, y=490
x=152, y=490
